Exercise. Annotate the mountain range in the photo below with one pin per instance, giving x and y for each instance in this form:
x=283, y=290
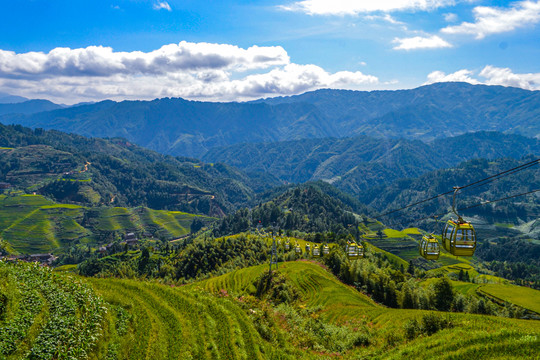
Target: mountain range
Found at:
x=192, y=128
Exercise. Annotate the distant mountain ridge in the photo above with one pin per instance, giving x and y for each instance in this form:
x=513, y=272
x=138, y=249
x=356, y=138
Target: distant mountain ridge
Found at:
x=191, y=128
x=11, y=99
x=28, y=107
x=357, y=163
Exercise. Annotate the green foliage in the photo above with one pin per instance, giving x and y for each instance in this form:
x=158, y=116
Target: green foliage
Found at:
x=54, y=315
x=443, y=294
x=3, y=304
x=205, y=257
x=304, y=208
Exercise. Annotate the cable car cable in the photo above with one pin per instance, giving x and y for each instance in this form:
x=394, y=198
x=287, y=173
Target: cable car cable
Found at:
x=498, y=176
x=477, y=205
x=416, y=203
x=479, y=182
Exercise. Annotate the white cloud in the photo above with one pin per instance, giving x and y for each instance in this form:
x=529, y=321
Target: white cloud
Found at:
x=355, y=7
x=162, y=5
x=450, y=17
x=419, y=42
x=491, y=76
x=459, y=76
x=505, y=77
x=492, y=20
x=103, y=61
x=212, y=72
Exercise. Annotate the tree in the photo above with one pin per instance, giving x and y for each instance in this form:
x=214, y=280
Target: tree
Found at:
x=461, y=276
x=410, y=269
x=143, y=260
x=408, y=300
x=196, y=225
x=444, y=294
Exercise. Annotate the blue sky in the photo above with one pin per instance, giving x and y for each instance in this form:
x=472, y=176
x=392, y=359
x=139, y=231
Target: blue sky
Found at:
x=71, y=51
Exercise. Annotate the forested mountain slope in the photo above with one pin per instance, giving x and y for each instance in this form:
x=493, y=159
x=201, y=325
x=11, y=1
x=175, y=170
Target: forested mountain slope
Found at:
x=73, y=168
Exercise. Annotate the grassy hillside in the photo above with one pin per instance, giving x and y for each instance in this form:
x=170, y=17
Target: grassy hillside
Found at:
x=470, y=335
x=33, y=224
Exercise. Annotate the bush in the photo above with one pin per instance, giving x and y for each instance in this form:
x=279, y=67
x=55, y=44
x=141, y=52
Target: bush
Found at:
x=274, y=287
x=428, y=325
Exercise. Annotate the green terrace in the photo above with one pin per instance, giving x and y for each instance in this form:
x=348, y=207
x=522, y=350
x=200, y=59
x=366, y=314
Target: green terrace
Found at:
x=33, y=224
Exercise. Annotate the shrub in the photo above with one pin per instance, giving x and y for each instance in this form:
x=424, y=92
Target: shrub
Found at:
x=428, y=325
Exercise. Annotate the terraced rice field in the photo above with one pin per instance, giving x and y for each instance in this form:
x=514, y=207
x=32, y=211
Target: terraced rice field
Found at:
x=472, y=336
x=176, y=323
x=14, y=208
x=522, y=296
x=113, y=219
x=210, y=320
x=172, y=224
x=32, y=224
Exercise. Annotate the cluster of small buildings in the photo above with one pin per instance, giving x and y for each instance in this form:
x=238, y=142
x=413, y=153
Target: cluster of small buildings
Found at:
x=130, y=239
x=45, y=259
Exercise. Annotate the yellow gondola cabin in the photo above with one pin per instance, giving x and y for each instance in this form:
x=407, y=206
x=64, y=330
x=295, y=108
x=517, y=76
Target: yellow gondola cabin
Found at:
x=429, y=247
x=316, y=251
x=354, y=251
x=459, y=237
x=326, y=249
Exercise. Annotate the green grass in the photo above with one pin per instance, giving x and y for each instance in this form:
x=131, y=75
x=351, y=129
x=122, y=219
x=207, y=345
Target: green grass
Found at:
x=395, y=233
x=412, y=231
x=465, y=288
x=504, y=225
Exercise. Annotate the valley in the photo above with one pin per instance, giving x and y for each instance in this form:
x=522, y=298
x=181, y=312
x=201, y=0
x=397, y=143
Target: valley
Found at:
x=162, y=251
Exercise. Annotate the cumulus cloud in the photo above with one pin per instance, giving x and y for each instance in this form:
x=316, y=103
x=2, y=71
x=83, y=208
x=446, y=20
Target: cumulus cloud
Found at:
x=355, y=7
x=505, y=76
x=162, y=5
x=492, y=20
x=419, y=42
x=490, y=75
x=103, y=61
x=213, y=72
